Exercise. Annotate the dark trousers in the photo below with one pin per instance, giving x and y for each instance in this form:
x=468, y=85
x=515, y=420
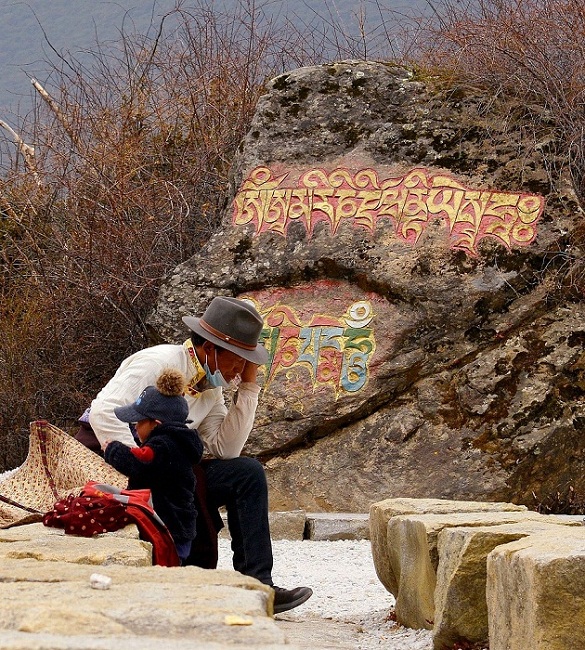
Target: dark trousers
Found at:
x=239, y=484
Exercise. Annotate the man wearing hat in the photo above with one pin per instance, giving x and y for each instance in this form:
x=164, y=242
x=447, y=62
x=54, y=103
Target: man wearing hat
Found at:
x=223, y=347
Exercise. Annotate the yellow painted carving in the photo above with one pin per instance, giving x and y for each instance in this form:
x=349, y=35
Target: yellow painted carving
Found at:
x=409, y=201
x=328, y=350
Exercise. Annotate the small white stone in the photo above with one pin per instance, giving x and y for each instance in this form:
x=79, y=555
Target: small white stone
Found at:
x=99, y=581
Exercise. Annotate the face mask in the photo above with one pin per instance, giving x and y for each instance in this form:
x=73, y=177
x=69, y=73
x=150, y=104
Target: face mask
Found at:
x=215, y=379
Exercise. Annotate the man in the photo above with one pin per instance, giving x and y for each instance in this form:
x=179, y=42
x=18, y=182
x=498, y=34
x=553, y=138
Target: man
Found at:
x=223, y=347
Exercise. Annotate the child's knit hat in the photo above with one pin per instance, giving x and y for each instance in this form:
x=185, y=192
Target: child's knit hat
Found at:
x=163, y=402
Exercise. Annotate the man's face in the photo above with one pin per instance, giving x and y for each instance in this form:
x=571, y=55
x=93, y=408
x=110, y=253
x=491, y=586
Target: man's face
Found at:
x=229, y=364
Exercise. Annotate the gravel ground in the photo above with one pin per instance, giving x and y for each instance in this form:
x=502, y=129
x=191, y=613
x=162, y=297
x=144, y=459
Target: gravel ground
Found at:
x=346, y=592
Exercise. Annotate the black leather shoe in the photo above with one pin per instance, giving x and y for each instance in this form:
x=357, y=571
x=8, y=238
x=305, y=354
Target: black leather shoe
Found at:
x=285, y=599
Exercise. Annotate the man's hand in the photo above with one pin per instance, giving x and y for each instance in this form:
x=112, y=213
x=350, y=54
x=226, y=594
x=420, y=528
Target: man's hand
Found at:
x=250, y=372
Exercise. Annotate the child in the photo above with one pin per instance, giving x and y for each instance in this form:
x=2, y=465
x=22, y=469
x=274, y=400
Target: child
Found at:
x=164, y=460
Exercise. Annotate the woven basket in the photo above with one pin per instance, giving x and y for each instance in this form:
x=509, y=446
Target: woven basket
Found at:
x=56, y=465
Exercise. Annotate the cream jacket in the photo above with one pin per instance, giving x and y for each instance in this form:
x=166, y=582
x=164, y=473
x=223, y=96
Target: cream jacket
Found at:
x=223, y=431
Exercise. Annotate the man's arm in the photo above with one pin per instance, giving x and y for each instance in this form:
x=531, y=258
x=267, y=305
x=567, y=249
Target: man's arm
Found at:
x=225, y=431
x=132, y=377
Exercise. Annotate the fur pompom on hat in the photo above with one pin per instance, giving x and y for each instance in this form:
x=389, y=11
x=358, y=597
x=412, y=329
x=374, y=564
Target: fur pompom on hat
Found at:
x=163, y=402
x=170, y=383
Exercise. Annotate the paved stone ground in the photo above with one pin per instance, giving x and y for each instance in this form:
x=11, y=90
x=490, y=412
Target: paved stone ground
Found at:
x=321, y=633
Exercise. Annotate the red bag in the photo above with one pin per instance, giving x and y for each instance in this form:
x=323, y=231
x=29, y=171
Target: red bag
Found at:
x=101, y=508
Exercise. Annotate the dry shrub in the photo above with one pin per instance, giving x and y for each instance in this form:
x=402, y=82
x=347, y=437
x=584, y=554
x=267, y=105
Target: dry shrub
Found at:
x=132, y=156
x=561, y=502
x=529, y=57
x=528, y=52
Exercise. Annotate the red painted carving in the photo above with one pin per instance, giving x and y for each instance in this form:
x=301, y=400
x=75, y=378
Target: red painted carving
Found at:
x=272, y=203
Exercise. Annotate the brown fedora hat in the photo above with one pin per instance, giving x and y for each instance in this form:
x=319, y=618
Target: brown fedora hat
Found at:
x=232, y=324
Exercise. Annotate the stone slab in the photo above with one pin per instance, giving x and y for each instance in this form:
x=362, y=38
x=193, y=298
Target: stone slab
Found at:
x=535, y=593
x=24, y=641
x=46, y=599
x=460, y=601
x=283, y=525
x=412, y=549
x=44, y=543
x=316, y=526
x=322, y=526
x=382, y=511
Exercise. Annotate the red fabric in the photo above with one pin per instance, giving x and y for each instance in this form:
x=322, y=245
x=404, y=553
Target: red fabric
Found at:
x=164, y=551
x=96, y=511
x=87, y=515
x=144, y=454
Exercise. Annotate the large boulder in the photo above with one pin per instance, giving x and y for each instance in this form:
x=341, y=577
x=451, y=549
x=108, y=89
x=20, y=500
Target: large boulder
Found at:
x=405, y=246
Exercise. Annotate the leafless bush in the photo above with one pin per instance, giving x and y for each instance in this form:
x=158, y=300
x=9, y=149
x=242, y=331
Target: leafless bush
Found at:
x=127, y=180
x=567, y=502
x=529, y=58
x=528, y=51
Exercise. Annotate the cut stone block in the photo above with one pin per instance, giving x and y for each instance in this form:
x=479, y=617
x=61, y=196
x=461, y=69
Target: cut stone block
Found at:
x=536, y=593
x=460, y=601
x=412, y=549
x=283, y=525
x=55, y=600
x=52, y=544
x=382, y=511
x=333, y=526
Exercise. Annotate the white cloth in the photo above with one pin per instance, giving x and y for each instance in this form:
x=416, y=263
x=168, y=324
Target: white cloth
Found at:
x=223, y=432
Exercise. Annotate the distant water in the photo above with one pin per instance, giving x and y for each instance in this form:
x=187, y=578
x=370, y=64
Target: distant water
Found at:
x=70, y=26
x=75, y=25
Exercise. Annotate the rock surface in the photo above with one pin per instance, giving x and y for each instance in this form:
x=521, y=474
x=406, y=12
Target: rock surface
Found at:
x=508, y=579
x=412, y=546
x=52, y=599
x=406, y=248
x=460, y=603
x=45, y=544
x=534, y=592
x=382, y=511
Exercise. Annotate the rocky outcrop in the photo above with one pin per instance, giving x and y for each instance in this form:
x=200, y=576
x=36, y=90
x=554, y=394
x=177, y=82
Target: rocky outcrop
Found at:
x=406, y=246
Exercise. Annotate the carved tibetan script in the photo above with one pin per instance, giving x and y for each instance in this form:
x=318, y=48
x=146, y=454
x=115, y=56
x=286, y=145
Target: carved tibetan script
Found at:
x=409, y=201
x=329, y=351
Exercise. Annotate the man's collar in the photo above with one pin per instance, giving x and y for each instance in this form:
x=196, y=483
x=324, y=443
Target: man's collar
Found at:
x=198, y=372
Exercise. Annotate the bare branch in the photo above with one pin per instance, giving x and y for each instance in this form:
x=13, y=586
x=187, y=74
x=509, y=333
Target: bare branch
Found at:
x=27, y=152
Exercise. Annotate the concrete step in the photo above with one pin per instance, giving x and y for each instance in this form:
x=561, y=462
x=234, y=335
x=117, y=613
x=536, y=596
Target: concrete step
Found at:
x=322, y=526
